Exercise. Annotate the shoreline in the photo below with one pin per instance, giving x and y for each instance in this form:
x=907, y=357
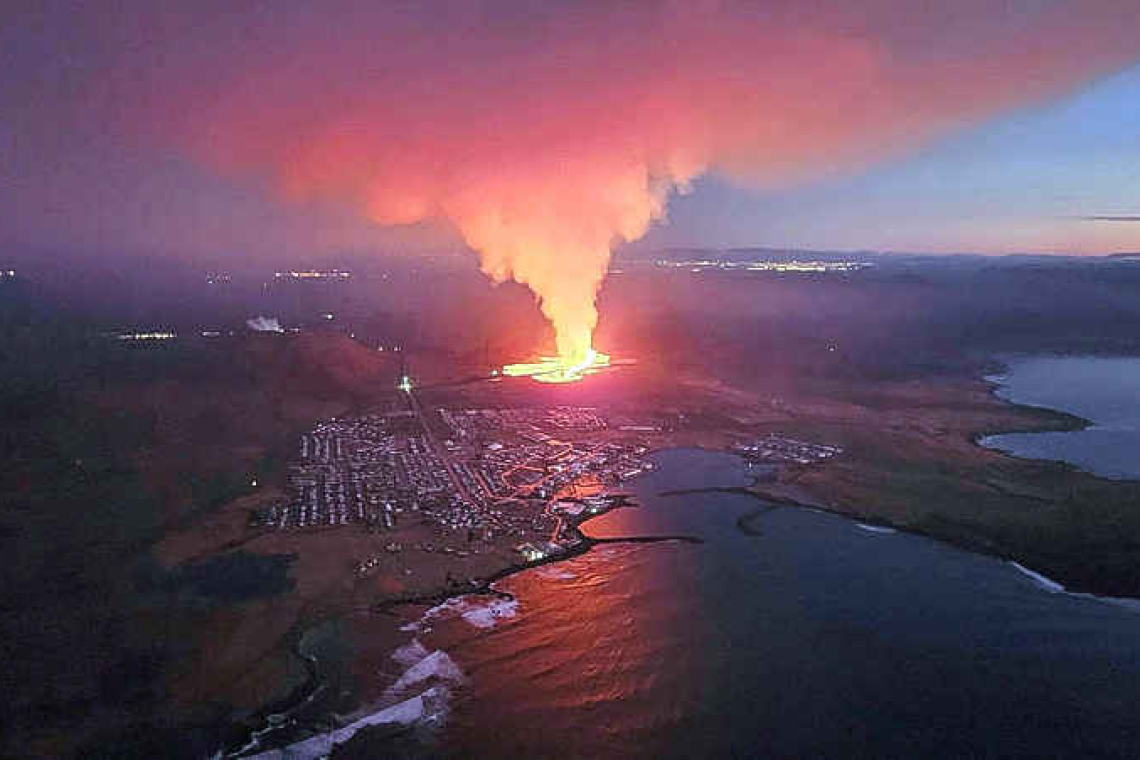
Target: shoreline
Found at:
x=1047, y=420
x=874, y=521
x=961, y=536
x=307, y=692
x=876, y=524
x=1041, y=581
x=1053, y=587
x=744, y=522
x=1073, y=423
x=1079, y=424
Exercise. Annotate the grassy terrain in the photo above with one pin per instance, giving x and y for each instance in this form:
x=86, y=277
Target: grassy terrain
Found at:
x=104, y=449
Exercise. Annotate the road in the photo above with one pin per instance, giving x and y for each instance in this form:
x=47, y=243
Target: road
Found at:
x=429, y=435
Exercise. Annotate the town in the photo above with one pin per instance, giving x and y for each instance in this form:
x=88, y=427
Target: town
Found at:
x=476, y=474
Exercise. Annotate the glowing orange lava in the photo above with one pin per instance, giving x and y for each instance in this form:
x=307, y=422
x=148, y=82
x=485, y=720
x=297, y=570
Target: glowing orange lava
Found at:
x=557, y=369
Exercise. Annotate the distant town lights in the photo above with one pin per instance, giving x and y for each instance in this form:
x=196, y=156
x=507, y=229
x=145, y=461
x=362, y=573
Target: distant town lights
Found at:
x=314, y=274
x=779, y=267
x=147, y=336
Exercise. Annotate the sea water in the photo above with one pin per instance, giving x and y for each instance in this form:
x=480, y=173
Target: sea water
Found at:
x=815, y=637
x=1103, y=390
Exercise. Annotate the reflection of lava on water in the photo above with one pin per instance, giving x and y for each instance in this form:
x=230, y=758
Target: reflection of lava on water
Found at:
x=557, y=369
x=575, y=657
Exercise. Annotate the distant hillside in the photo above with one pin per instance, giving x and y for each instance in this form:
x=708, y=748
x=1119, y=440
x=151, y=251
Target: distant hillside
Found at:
x=318, y=364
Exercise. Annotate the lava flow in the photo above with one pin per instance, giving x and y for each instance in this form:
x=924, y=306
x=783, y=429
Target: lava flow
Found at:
x=557, y=369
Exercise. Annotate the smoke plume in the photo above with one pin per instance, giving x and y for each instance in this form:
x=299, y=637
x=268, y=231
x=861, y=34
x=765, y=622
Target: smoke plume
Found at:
x=547, y=134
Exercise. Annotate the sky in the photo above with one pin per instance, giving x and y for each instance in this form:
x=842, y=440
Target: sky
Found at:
x=268, y=131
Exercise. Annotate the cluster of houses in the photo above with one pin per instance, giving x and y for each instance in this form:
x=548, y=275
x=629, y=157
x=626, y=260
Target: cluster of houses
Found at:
x=776, y=449
x=533, y=420
x=360, y=471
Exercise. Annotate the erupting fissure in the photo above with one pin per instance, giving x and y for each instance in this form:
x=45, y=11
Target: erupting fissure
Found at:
x=560, y=369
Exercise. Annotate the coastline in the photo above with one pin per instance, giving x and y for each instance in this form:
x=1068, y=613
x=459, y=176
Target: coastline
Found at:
x=1080, y=424
x=870, y=544
x=874, y=524
x=275, y=717
x=1053, y=587
x=1071, y=423
x=878, y=524
x=801, y=495
x=1025, y=498
x=744, y=523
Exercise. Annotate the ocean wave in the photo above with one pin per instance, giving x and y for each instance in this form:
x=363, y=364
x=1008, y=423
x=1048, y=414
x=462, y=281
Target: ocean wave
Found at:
x=435, y=665
x=410, y=653
x=430, y=706
x=485, y=613
x=875, y=528
x=486, y=616
x=1040, y=580
x=554, y=573
x=1053, y=587
x=443, y=610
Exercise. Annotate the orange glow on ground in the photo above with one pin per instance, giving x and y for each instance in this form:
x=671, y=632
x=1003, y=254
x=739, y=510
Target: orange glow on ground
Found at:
x=555, y=369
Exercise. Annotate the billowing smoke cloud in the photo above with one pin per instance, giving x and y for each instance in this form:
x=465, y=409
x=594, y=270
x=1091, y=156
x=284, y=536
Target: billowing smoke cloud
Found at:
x=546, y=135
x=264, y=324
